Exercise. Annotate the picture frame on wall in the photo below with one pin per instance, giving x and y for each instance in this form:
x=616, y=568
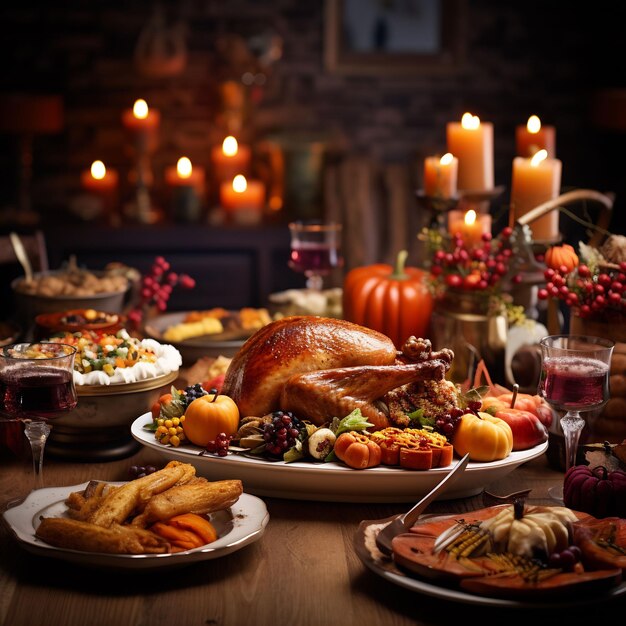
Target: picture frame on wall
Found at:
x=393, y=36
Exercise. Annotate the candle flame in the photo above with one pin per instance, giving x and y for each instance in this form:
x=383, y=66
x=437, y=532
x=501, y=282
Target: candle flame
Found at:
x=240, y=184
x=230, y=147
x=184, y=167
x=538, y=157
x=140, y=109
x=534, y=124
x=446, y=159
x=98, y=170
x=470, y=217
x=470, y=122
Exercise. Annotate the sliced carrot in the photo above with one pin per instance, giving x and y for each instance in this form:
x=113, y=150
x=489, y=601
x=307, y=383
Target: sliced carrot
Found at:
x=196, y=524
x=177, y=536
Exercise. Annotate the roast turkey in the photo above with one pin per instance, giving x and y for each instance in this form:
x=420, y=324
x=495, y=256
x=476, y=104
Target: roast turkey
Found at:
x=321, y=368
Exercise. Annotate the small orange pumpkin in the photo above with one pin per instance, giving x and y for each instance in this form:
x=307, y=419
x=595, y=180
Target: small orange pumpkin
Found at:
x=561, y=256
x=208, y=416
x=393, y=301
x=485, y=437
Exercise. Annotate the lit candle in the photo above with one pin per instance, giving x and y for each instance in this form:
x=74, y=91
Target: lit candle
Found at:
x=230, y=159
x=188, y=186
x=440, y=176
x=142, y=123
x=472, y=143
x=533, y=137
x=471, y=226
x=101, y=183
x=534, y=182
x=244, y=200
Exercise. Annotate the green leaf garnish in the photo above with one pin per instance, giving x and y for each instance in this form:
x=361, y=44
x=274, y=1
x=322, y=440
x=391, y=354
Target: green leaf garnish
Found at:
x=353, y=421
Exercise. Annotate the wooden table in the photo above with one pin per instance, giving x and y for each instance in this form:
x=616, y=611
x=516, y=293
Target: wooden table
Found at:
x=303, y=570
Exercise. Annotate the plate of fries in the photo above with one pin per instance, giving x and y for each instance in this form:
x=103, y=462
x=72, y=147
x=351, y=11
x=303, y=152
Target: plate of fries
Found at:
x=61, y=522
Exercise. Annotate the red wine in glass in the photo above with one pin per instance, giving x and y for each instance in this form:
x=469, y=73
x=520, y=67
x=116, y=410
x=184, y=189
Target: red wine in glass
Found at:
x=317, y=258
x=575, y=382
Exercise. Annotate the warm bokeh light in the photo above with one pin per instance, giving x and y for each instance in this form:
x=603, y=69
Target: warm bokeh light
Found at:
x=98, y=170
x=470, y=122
x=230, y=147
x=446, y=159
x=140, y=109
x=470, y=217
x=184, y=167
x=534, y=124
x=240, y=184
x=538, y=157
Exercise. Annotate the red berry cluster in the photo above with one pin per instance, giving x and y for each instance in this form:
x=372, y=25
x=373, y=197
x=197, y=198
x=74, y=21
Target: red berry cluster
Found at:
x=157, y=287
x=592, y=293
x=476, y=268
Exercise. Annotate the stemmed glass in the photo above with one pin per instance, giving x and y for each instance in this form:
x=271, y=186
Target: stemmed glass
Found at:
x=36, y=385
x=315, y=250
x=575, y=379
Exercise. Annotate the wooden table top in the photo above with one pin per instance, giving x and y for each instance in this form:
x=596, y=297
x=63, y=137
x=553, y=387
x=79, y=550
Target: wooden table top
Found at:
x=302, y=571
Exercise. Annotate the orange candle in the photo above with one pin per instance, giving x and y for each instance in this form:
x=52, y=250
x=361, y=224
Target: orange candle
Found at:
x=534, y=182
x=440, y=176
x=187, y=183
x=101, y=183
x=243, y=199
x=230, y=159
x=184, y=174
x=471, y=141
x=142, y=123
x=533, y=137
x=471, y=226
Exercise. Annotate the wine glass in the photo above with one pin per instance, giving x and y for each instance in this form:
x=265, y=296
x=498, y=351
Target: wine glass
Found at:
x=315, y=250
x=36, y=385
x=575, y=379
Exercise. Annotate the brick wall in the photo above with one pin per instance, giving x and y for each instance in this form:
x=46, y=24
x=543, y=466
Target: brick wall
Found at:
x=520, y=58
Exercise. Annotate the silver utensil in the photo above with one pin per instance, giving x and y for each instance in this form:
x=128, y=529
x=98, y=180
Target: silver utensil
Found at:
x=403, y=522
x=22, y=256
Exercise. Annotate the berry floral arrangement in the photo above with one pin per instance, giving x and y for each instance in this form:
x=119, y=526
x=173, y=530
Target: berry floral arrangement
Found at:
x=484, y=270
x=156, y=288
x=591, y=282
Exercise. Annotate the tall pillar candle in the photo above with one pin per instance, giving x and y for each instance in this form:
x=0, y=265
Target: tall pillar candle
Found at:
x=187, y=183
x=534, y=182
x=533, y=137
x=243, y=200
x=142, y=123
x=101, y=183
x=229, y=159
x=471, y=141
x=440, y=176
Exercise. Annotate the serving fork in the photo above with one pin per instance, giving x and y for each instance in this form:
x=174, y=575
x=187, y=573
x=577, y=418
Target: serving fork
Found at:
x=403, y=522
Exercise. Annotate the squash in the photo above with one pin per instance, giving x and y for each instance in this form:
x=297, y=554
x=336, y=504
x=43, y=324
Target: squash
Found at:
x=393, y=301
x=483, y=436
x=357, y=450
x=208, y=416
x=564, y=255
x=597, y=491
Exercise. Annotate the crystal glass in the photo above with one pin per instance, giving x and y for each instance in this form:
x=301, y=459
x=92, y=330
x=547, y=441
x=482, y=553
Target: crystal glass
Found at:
x=574, y=379
x=36, y=385
x=315, y=250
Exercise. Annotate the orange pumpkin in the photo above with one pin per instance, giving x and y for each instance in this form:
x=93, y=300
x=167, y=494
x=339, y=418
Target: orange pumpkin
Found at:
x=393, y=301
x=483, y=436
x=208, y=416
x=357, y=450
x=561, y=256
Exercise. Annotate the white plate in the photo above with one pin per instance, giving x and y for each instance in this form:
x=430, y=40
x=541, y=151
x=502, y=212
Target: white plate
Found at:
x=385, y=568
x=333, y=482
x=236, y=527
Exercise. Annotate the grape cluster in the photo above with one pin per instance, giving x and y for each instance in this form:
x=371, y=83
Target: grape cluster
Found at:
x=446, y=423
x=566, y=559
x=473, y=268
x=192, y=392
x=592, y=292
x=139, y=471
x=219, y=445
x=157, y=287
x=281, y=433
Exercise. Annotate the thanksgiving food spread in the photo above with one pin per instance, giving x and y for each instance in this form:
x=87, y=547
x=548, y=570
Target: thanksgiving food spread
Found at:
x=516, y=551
x=161, y=512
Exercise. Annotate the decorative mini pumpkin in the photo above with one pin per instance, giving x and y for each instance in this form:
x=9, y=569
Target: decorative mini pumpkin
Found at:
x=485, y=437
x=561, y=256
x=208, y=416
x=393, y=301
x=597, y=491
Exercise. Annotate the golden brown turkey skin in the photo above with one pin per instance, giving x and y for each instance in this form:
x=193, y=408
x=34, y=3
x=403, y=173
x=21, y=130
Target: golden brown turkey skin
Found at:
x=297, y=345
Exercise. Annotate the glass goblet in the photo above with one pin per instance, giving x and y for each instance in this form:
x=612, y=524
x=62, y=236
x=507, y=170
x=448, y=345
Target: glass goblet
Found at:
x=36, y=385
x=575, y=379
x=315, y=250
